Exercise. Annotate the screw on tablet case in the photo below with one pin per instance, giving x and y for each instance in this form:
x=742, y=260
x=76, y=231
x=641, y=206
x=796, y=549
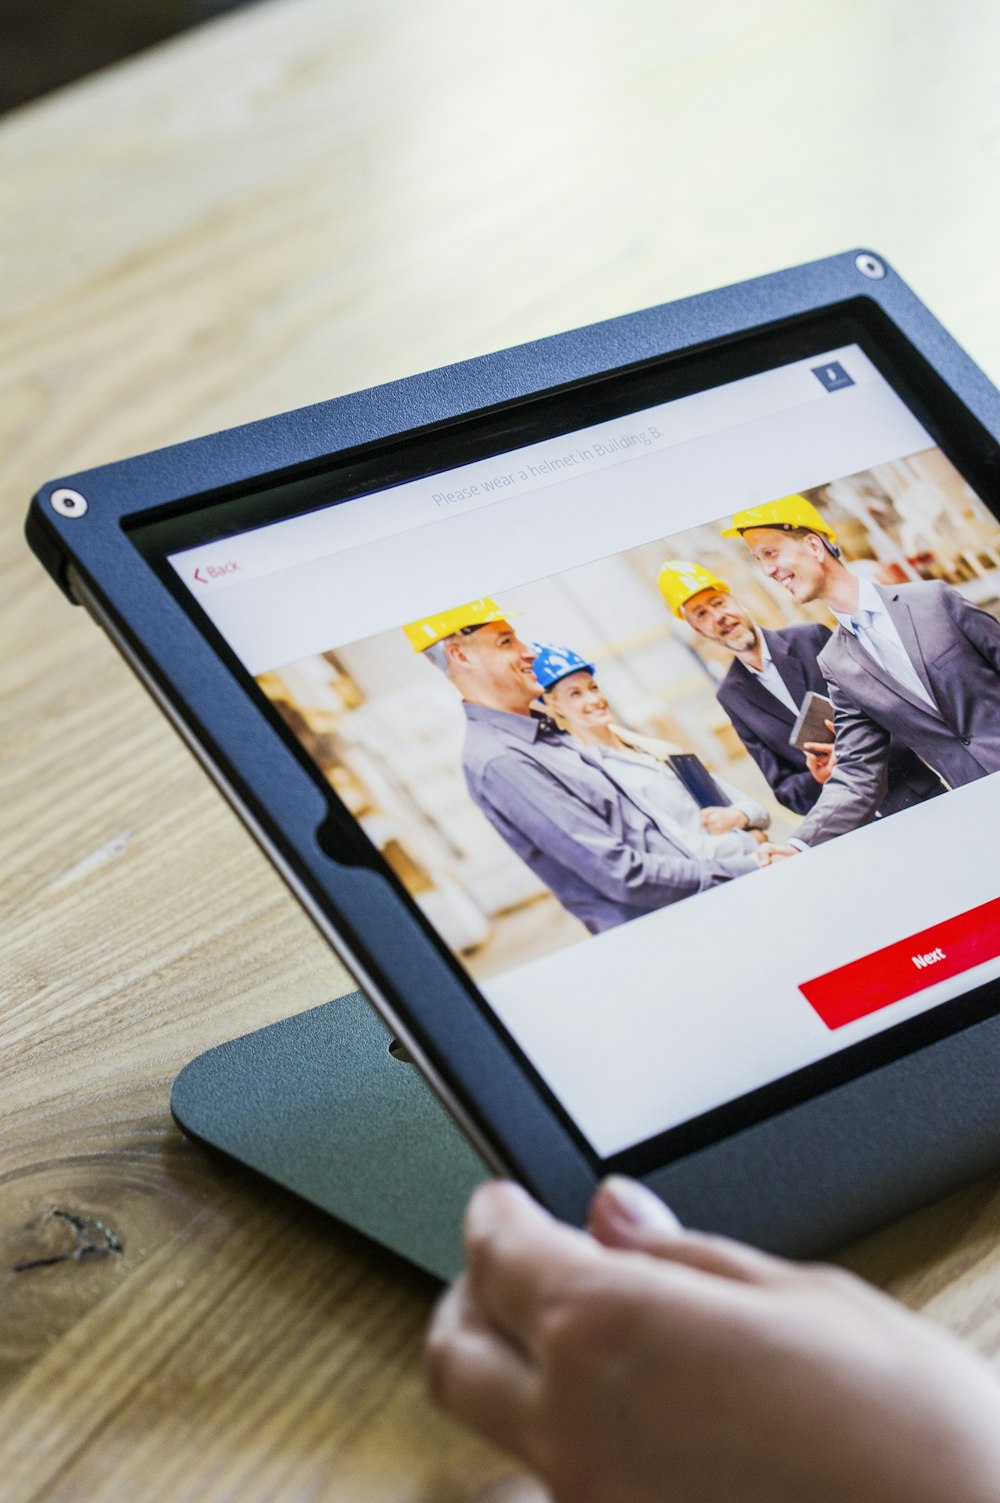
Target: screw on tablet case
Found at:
x=318, y=1103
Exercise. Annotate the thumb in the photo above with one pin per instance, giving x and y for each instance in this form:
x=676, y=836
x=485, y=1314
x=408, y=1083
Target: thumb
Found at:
x=626, y=1216
x=623, y=1213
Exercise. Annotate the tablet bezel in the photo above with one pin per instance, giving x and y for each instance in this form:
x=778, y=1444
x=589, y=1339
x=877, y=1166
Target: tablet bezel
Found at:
x=490, y=1089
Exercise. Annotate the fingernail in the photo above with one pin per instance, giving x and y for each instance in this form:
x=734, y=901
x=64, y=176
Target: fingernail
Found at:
x=634, y=1205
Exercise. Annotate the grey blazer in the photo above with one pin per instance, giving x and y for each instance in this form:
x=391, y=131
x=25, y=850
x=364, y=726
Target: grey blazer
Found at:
x=955, y=649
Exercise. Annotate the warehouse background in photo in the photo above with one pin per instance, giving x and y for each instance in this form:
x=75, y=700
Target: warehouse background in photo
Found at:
x=387, y=728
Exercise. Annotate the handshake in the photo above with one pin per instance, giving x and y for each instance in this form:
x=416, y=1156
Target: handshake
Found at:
x=768, y=853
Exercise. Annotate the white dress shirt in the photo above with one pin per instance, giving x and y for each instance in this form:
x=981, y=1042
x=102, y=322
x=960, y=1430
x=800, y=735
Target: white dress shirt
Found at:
x=656, y=788
x=873, y=627
x=771, y=678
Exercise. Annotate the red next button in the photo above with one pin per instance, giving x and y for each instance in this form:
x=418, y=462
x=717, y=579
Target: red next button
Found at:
x=956, y=945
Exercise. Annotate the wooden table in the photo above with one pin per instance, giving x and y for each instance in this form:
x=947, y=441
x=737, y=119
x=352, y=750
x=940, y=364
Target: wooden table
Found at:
x=299, y=200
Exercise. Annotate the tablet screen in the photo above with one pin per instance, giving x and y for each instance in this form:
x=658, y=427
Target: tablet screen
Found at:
x=557, y=684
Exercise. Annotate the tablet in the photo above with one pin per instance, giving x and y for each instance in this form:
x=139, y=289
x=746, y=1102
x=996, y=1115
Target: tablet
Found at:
x=438, y=643
x=697, y=780
x=811, y=723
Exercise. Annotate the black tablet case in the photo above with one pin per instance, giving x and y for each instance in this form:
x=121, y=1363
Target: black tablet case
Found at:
x=320, y=1105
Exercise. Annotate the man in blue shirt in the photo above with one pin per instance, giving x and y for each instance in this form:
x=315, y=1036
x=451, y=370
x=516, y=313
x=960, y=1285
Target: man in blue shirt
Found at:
x=601, y=854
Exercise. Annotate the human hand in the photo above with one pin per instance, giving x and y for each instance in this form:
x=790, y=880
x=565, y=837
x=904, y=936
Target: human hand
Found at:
x=821, y=758
x=717, y=821
x=769, y=853
x=644, y=1363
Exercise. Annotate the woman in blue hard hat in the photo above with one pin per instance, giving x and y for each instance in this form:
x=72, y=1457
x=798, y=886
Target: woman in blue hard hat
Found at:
x=640, y=764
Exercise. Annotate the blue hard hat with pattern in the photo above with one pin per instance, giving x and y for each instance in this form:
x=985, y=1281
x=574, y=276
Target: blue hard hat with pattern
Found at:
x=553, y=663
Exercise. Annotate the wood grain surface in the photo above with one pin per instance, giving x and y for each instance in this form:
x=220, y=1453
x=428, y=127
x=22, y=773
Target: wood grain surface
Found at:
x=301, y=199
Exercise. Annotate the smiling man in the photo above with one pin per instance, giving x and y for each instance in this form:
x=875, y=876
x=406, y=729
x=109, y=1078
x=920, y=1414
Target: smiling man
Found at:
x=601, y=854
x=917, y=662
x=766, y=685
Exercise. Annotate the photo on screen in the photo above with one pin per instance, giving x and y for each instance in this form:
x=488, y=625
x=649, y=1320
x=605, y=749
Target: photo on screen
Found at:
x=646, y=752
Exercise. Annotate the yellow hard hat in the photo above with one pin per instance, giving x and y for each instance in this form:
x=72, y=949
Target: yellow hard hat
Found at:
x=790, y=511
x=680, y=581
x=430, y=629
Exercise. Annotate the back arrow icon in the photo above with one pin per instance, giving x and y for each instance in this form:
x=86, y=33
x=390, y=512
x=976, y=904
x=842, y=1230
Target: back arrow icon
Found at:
x=199, y=576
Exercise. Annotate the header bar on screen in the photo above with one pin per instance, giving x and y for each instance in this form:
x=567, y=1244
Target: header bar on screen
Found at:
x=316, y=582
x=419, y=503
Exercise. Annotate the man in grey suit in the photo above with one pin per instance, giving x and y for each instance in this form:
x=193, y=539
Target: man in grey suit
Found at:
x=594, y=846
x=764, y=689
x=915, y=661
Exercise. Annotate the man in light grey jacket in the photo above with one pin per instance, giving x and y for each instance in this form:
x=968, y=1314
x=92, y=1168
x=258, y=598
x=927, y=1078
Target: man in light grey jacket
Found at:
x=915, y=661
